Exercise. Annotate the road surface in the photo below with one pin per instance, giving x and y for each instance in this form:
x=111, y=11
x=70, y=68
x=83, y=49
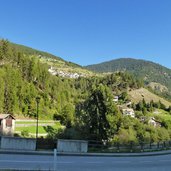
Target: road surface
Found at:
x=80, y=163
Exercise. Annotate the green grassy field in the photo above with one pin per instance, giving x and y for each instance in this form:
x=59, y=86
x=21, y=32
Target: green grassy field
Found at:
x=30, y=127
x=161, y=114
x=34, y=122
x=142, y=93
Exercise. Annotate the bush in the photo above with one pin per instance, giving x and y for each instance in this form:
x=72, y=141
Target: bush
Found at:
x=24, y=133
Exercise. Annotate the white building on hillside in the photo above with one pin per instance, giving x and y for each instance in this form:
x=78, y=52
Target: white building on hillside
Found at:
x=115, y=99
x=52, y=71
x=128, y=112
x=152, y=121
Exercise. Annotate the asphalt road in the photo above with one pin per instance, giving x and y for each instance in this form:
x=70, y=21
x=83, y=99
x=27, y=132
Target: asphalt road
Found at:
x=76, y=163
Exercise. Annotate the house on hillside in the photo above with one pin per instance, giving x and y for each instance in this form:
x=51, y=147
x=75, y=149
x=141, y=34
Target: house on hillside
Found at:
x=152, y=121
x=52, y=71
x=115, y=99
x=128, y=112
x=7, y=124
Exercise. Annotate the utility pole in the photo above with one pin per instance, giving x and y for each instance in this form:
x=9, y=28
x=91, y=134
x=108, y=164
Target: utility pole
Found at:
x=37, y=117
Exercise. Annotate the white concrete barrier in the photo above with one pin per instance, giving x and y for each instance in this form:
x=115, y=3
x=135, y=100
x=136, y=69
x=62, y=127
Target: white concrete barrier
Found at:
x=75, y=146
x=16, y=143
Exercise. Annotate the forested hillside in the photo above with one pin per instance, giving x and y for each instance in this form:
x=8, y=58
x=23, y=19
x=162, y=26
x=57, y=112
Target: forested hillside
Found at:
x=87, y=107
x=57, y=63
x=23, y=78
x=148, y=71
x=31, y=51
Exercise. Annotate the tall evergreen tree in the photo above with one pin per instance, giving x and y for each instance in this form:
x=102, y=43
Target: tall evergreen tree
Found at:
x=102, y=113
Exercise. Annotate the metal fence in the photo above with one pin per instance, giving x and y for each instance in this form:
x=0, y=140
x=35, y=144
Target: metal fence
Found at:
x=95, y=146
x=43, y=143
x=101, y=147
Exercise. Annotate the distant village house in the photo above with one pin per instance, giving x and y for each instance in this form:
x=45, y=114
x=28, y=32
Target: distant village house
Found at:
x=116, y=98
x=128, y=112
x=152, y=121
x=7, y=124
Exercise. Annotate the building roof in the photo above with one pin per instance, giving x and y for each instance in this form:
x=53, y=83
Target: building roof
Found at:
x=3, y=116
x=128, y=109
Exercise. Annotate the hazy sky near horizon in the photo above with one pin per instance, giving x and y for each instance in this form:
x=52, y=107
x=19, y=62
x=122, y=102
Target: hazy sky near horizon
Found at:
x=91, y=31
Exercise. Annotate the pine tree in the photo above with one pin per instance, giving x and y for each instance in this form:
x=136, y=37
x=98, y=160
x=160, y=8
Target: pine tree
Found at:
x=102, y=114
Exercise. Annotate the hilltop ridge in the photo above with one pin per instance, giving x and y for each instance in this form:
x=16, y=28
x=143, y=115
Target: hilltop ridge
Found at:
x=155, y=76
x=57, y=65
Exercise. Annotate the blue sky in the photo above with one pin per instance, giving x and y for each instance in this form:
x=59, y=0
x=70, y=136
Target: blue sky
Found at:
x=91, y=31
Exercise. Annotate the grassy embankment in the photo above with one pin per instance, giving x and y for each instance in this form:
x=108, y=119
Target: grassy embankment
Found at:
x=30, y=126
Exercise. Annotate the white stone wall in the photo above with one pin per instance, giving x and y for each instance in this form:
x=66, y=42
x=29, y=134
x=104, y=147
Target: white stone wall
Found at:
x=16, y=143
x=73, y=146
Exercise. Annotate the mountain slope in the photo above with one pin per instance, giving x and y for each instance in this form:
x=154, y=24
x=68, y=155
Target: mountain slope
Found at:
x=142, y=93
x=58, y=64
x=24, y=76
x=79, y=104
x=31, y=51
x=149, y=71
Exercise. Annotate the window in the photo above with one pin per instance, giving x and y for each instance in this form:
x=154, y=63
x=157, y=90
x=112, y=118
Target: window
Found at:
x=9, y=122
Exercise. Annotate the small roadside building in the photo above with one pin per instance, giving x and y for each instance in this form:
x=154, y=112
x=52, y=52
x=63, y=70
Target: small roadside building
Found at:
x=7, y=124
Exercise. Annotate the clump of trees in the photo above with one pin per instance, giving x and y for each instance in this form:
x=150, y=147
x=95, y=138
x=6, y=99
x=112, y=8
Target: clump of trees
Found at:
x=99, y=114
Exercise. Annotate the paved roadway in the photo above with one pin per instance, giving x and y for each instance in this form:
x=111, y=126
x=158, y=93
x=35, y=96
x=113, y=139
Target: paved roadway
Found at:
x=76, y=163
